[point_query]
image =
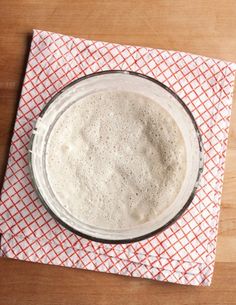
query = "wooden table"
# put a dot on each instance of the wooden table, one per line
(202, 27)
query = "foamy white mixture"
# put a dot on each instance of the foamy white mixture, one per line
(115, 159)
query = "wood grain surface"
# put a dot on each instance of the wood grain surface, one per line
(201, 27)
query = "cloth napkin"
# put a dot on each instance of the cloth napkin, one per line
(185, 252)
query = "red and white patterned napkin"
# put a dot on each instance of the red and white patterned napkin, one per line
(185, 252)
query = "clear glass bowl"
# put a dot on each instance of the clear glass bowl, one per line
(127, 81)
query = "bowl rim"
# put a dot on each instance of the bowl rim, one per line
(128, 240)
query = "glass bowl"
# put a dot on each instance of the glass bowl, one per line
(126, 81)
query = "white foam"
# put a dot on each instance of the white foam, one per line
(115, 159)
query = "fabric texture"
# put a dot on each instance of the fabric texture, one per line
(185, 252)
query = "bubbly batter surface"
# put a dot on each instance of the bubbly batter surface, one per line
(115, 159)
